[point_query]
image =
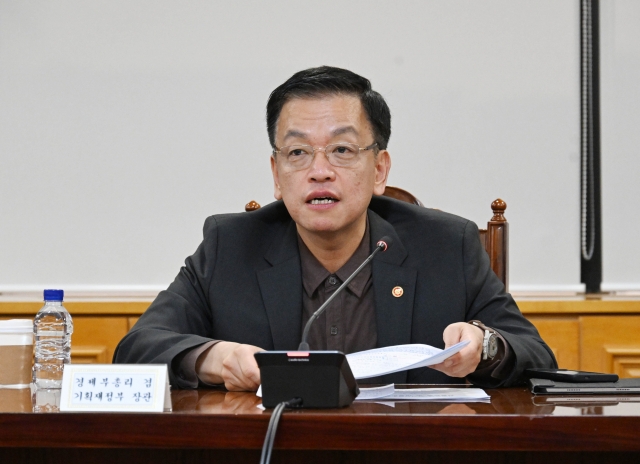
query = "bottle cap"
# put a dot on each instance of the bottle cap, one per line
(53, 295)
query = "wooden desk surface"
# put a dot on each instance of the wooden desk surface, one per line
(514, 420)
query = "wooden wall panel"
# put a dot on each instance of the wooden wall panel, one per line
(86, 354)
(611, 344)
(625, 361)
(563, 337)
(131, 321)
(94, 339)
(588, 333)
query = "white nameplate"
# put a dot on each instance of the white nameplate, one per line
(115, 387)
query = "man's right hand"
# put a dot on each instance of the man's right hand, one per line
(230, 363)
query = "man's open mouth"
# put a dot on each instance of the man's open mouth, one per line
(322, 201)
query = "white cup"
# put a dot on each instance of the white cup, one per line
(16, 353)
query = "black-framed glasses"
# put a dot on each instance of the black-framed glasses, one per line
(341, 154)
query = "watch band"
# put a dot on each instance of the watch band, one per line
(480, 325)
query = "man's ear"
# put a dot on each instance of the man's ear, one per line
(382, 167)
(276, 180)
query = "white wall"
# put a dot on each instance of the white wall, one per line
(123, 124)
(620, 80)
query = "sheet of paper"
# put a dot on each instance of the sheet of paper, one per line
(373, 393)
(455, 395)
(390, 359)
(390, 394)
(391, 404)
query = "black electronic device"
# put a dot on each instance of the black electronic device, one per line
(553, 387)
(320, 379)
(570, 376)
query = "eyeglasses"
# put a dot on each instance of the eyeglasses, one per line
(342, 154)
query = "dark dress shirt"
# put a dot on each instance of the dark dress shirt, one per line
(348, 324)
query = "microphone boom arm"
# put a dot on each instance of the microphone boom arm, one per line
(304, 346)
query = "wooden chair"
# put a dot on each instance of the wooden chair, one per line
(495, 238)
(402, 195)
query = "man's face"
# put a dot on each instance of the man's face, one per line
(346, 191)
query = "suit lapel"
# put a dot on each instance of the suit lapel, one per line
(393, 313)
(281, 289)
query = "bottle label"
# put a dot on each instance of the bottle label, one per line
(49, 333)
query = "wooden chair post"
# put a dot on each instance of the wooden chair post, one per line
(252, 206)
(496, 241)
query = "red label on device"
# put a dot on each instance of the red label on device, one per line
(298, 354)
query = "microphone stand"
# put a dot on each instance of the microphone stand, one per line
(304, 346)
(315, 379)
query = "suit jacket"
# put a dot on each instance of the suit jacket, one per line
(244, 284)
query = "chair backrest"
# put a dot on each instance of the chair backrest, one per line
(402, 195)
(495, 238)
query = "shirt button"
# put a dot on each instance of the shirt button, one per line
(334, 330)
(333, 280)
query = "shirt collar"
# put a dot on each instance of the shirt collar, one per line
(314, 274)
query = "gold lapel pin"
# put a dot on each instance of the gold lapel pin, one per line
(397, 292)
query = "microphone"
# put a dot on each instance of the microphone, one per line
(316, 379)
(382, 245)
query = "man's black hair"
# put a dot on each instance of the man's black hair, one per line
(327, 80)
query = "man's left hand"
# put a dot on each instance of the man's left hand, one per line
(465, 361)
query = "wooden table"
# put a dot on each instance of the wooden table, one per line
(217, 426)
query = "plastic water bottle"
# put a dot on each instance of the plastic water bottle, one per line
(52, 328)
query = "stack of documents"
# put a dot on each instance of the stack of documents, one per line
(390, 359)
(451, 395)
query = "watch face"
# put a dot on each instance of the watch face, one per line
(492, 350)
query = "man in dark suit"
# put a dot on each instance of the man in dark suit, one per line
(257, 277)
